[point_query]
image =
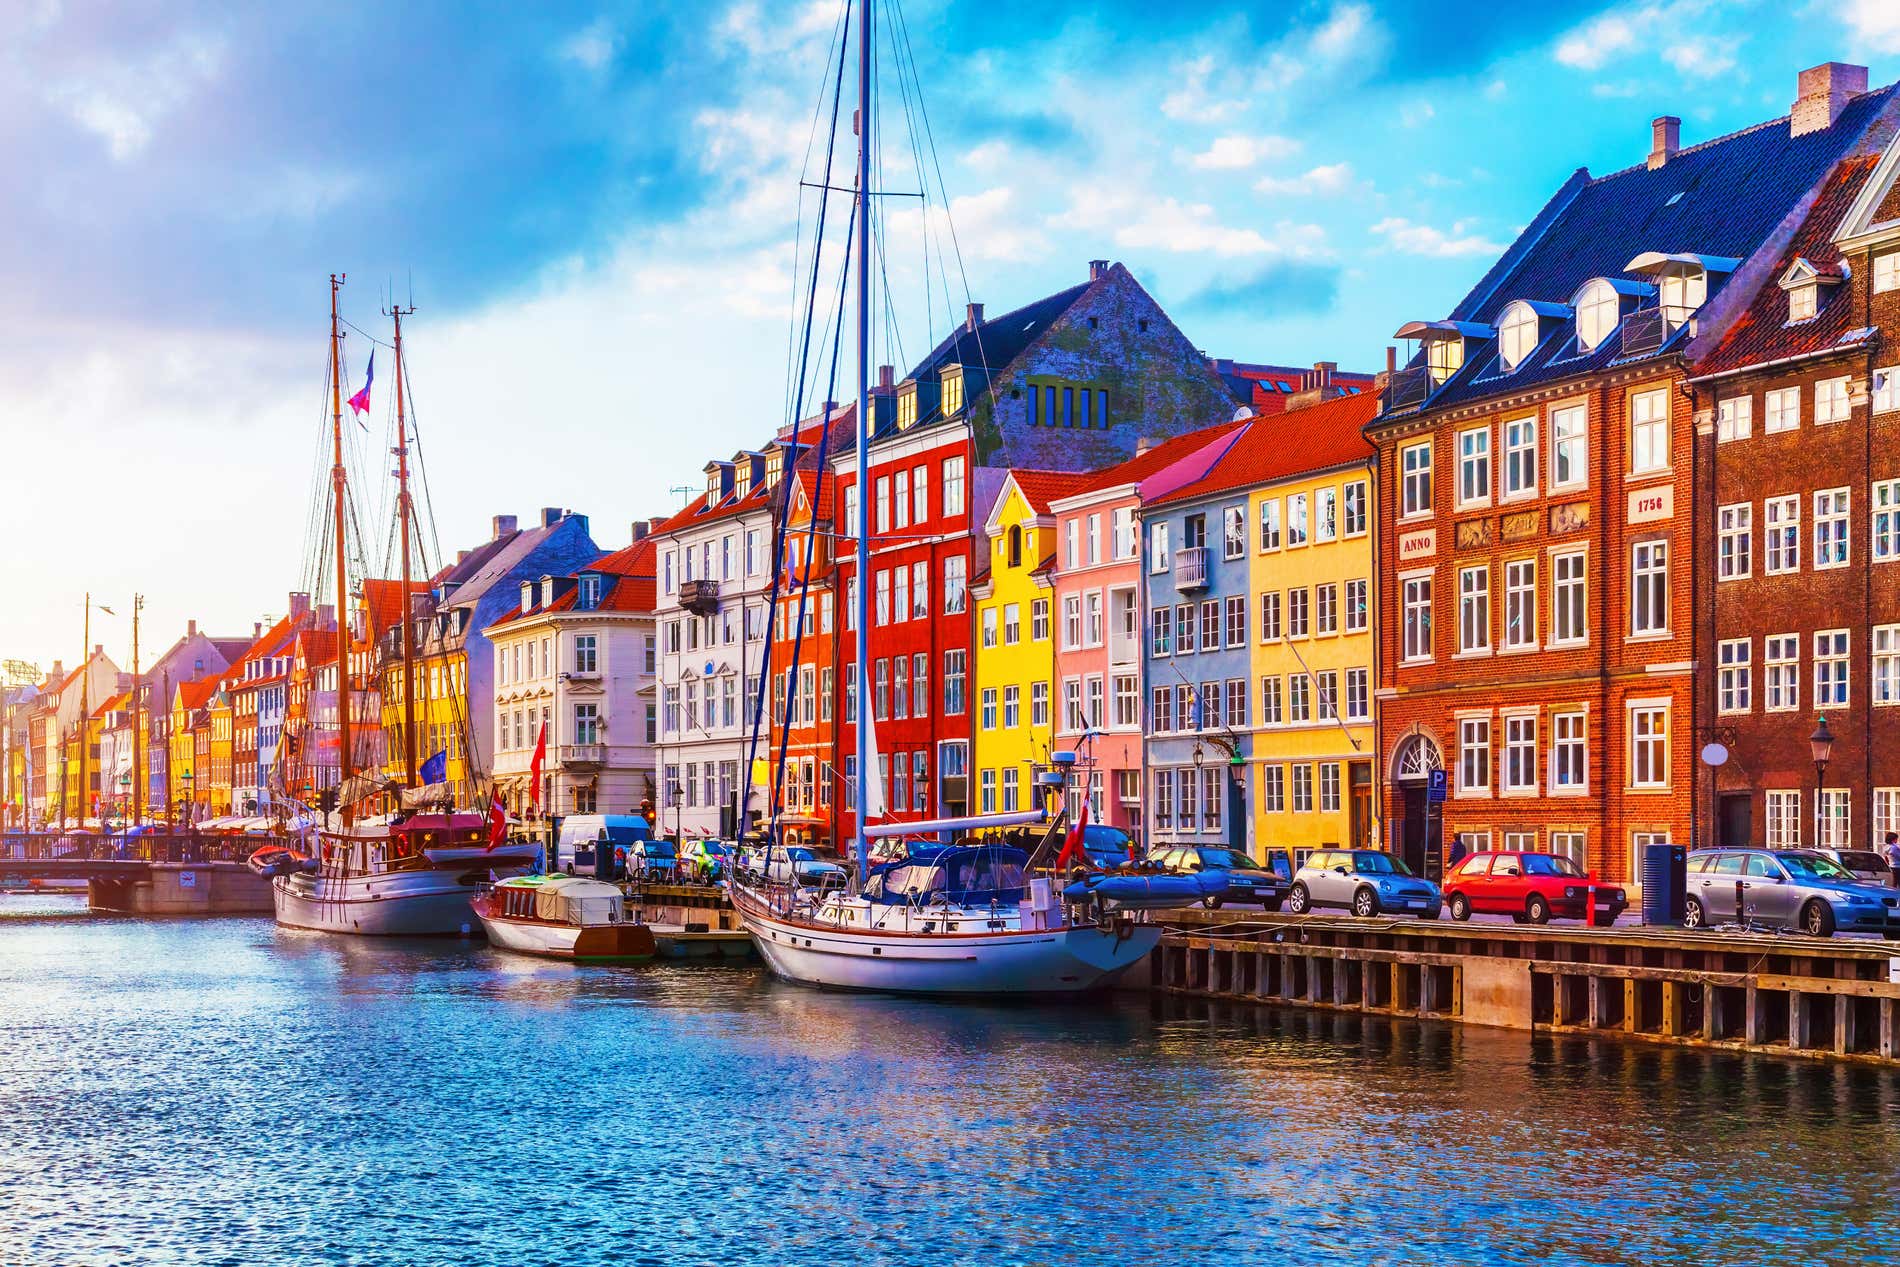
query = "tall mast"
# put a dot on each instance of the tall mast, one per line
(338, 483)
(403, 512)
(85, 707)
(865, 428)
(138, 788)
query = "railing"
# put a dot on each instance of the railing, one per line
(700, 596)
(583, 754)
(1408, 387)
(169, 847)
(1190, 568)
(1645, 331)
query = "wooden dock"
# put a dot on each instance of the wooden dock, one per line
(1788, 995)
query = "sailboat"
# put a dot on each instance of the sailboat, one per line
(412, 874)
(952, 920)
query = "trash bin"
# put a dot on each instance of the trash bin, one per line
(1665, 883)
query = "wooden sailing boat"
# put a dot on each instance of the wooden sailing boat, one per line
(414, 874)
(956, 920)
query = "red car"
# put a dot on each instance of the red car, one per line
(1528, 887)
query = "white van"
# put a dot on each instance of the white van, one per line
(577, 848)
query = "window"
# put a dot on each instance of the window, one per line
(1296, 613)
(1299, 698)
(1358, 699)
(900, 686)
(1092, 631)
(1270, 524)
(1161, 638)
(1270, 616)
(1270, 714)
(1273, 789)
(1735, 547)
(1831, 818)
(1122, 523)
(1735, 418)
(920, 592)
(1209, 702)
(1417, 606)
(1326, 609)
(884, 504)
(1161, 710)
(1598, 311)
(882, 697)
(1072, 543)
(1830, 400)
(1649, 745)
(1781, 660)
(986, 790)
(1158, 546)
(1569, 844)
(1886, 389)
(1237, 621)
(1302, 789)
(1039, 620)
(1296, 519)
(1444, 357)
(1886, 524)
(1126, 701)
(1233, 532)
(1734, 675)
(952, 487)
(989, 708)
(1474, 466)
(1520, 457)
(1830, 527)
(1326, 515)
(1520, 753)
(586, 658)
(1649, 431)
(1520, 603)
(1569, 447)
(1474, 610)
(955, 668)
(1415, 489)
(1474, 756)
(1012, 707)
(1012, 624)
(1012, 777)
(1886, 812)
(1569, 755)
(1831, 657)
(900, 602)
(1329, 787)
(1802, 302)
(955, 586)
(1326, 691)
(1886, 658)
(1886, 273)
(1237, 701)
(1092, 542)
(1517, 335)
(1782, 809)
(1038, 704)
(1164, 800)
(1781, 410)
(1649, 587)
(1781, 525)
(1356, 614)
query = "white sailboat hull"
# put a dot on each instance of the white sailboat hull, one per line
(1062, 960)
(390, 904)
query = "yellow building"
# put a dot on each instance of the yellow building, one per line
(1310, 532)
(187, 709)
(217, 778)
(1015, 642)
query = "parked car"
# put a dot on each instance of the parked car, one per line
(1790, 888)
(1526, 886)
(1863, 864)
(577, 847)
(656, 861)
(1226, 875)
(1363, 881)
(802, 865)
(705, 860)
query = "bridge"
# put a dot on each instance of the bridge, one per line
(178, 873)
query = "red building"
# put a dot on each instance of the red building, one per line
(804, 669)
(1536, 457)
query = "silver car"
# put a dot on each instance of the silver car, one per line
(1363, 881)
(1790, 888)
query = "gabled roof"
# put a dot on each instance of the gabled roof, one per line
(1039, 488)
(470, 579)
(1761, 332)
(382, 600)
(1157, 458)
(1720, 200)
(196, 694)
(627, 585)
(1316, 438)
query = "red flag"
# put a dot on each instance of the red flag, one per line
(534, 766)
(359, 403)
(497, 819)
(1073, 845)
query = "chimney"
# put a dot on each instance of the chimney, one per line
(504, 524)
(299, 606)
(461, 556)
(1098, 269)
(59, 670)
(257, 630)
(98, 649)
(1145, 443)
(1391, 360)
(1323, 373)
(653, 524)
(1316, 385)
(1665, 138)
(1821, 93)
(973, 316)
(326, 616)
(550, 515)
(887, 378)
(640, 529)
(191, 629)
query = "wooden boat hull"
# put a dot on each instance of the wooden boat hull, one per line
(391, 904)
(578, 943)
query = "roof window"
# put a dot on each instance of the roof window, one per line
(1802, 284)
(1517, 334)
(1599, 308)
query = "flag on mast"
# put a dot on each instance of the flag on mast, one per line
(534, 766)
(359, 403)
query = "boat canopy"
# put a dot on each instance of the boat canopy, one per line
(962, 875)
(577, 900)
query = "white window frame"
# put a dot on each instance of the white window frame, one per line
(1833, 517)
(1781, 818)
(1474, 610)
(1884, 520)
(1781, 410)
(1735, 675)
(1415, 480)
(1517, 775)
(1570, 439)
(1648, 722)
(1520, 458)
(1569, 738)
(1735, 419)
(1269, 525)
(1833, 668)
(1520, 605)
(1781, 535)
(1649, 431)
(1781, 673)
(1832, 402)
(1415, 600)
(1886, 389)
(1649, 588)
(1735, 541)
(1474, 757)
(1474, 468)
(1883, 649)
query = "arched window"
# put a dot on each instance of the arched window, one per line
(1015, 546)
(1517, 334)
(1417, 757)
(1598, 310)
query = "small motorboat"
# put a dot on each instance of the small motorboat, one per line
(1136, 890)
(563, 917)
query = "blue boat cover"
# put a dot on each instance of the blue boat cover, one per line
(1136, 890)
(963, 875)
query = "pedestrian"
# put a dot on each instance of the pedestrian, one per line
(1892, 851)
(1458, 852)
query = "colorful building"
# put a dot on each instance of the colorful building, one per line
(803, 725)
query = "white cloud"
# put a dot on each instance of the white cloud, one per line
(1873, 23)
(122, 102)
(1699, 59)
(1195, 100)
(1417, 114)
(989, 226)
(1332, 178)
(1420, 239)
(1674, 30)
(1346, 33)
(594, 46)
(1237, 151)
(989, 156)
(1496, 90)
(1592, 45)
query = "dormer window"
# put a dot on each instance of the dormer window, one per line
(1683, 290)
(1802, 302)
(527, 596)
(952, 393)
(1802, 283)
(1517, 334)
(589, 596)
(1445, 357)
(774, 465)
(712, 485)
(742, 479)
(907, 407)
(1599, 308)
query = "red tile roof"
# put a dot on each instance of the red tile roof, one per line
(1760, 333)
(1310, 439)
(382, 599)
(630, 584)
(1039, 488)
(195, 694)
(1158, 458)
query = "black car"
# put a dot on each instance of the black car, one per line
(1245, 880)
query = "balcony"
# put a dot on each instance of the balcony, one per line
(1190, 568)
(700, 597)
(1408, 387)
(583, 756)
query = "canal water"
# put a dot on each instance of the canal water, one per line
(219, 1091)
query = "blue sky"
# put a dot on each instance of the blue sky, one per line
(593, 207)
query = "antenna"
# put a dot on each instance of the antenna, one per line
(685, 492)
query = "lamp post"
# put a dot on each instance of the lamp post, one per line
(1821, 746)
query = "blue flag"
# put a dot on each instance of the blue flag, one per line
(436, 768)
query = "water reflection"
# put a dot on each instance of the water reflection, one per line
(206, 1091)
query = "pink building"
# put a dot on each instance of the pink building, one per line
(1099, 617)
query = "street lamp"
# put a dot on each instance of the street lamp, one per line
(1821, 745)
